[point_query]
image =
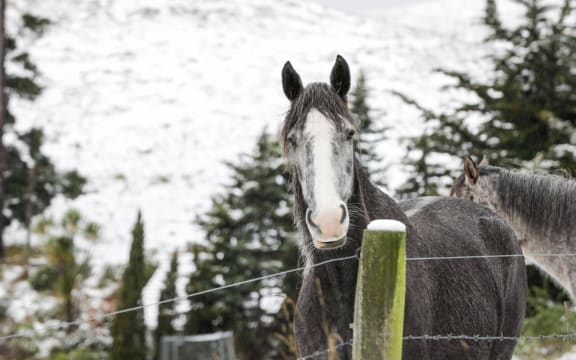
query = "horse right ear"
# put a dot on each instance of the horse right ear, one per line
(470, 171)
(291, 82)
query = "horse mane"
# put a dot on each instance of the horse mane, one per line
(545, 203)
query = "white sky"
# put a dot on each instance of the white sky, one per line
(366, 5)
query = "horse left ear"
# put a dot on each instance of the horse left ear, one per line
(340, 77)
(470, 171)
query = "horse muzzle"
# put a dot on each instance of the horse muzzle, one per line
(329, 227)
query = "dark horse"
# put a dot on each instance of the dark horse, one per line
(334, 201)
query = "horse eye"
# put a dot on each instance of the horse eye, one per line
(350, 134)
(292, 140)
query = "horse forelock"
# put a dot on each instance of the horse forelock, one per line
(546, 204)
(317, 96)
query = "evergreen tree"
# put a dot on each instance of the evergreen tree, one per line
(128, 329)
(527, 107)
(3, 113)
(370, 134)
(28, 178)
(527, 113)
(66, 266)
(249, 234)
(167, 312)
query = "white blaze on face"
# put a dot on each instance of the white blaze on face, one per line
(327, 213)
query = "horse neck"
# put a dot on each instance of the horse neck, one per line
(540, 208)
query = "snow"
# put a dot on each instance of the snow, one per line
(386, 225)
(147, 99)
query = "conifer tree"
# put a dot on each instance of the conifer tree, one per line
(370, 134)
(527, 105)
(128, 329)
(3, 113)
(167, 312)
(66, 265)
(249, 234)
(28, 181)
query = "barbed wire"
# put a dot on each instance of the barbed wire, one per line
(479, 338)
(476, 338)
(174, 299)
(99, 317)
(319, 353)
(463, 257)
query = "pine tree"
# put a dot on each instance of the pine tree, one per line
(370, 134)
(28, 178)
(3, 115)
(167, 312)
(249, 234)
(128, 329)
(527, 110)
(527, 106)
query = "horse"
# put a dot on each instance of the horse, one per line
(540, 208)
(334, 201)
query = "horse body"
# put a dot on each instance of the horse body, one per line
(484, 297)
(541, 209)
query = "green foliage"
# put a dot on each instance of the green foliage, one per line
(546, 313)
(167, 312)
(31, 179)
(128, 329)
(78, 355)
(249, 234)
(44, 279)
(524, 114)
(370, 134)
(3, 309)
(35, 24)
(19, 253)
(66, 265)
(527, 108)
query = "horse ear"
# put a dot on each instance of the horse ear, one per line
(291, 82)
(340, 77)
(484, 161)
(470, 171)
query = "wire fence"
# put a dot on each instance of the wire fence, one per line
(174, 299)
(449, 337)
(329, 350)
(475, 338)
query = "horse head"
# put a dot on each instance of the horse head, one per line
(318, 140)
(478, 183)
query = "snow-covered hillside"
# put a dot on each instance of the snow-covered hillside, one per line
(147, 98)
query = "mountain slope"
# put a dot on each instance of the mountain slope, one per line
(147, 98)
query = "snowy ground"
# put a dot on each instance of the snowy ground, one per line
(148, 98)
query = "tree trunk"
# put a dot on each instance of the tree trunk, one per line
(3, 111)
(28, 196)
(69, 313)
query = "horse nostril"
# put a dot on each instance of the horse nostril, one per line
(344, 214)
(309, 218)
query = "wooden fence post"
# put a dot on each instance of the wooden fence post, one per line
(380, 292)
